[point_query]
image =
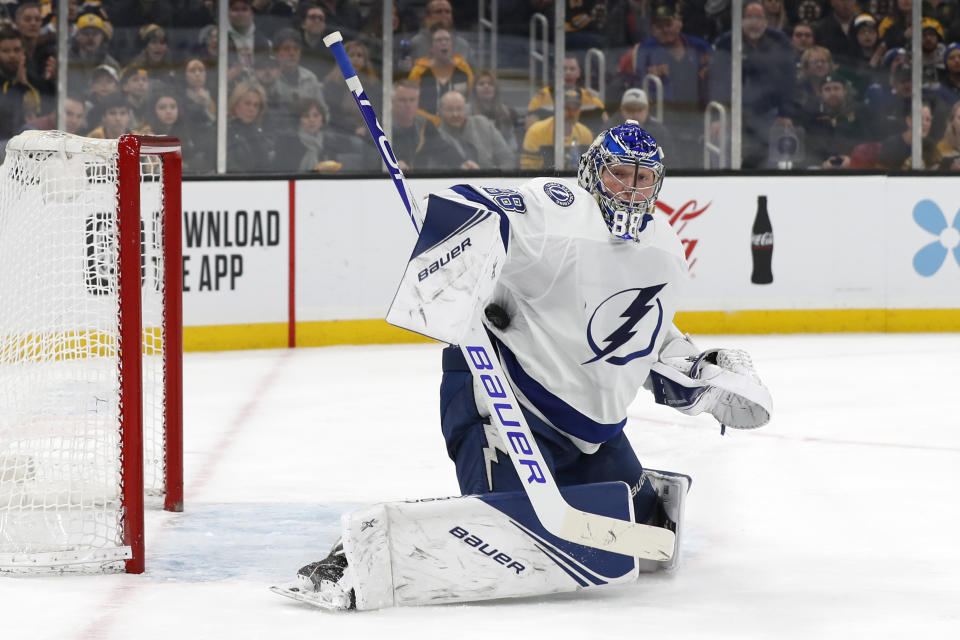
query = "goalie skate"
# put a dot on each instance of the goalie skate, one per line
(326, 584)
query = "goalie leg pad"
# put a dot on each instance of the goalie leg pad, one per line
(671, 489)
(476, 548)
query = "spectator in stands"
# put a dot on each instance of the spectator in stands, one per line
(315, 148)
(890, 103)
(585, 24)
(272, 15)
(477, 141)
(628, 23)
(815, 64)
(207, 46)
(443, 71)
(129, 17)
(896, 152)
(864, 67)
(538, 142)
(932, 48)
(40, 52)
(75, 118)
(344, 114)
(343, 16)
(680, 61)
(837, 129)
(249, 149)
(893, 28)
(295, 82)
(801, 39)
(768, 82)
(155, 56)
(245, 43)
(88, 48)
(635, 105)
(135, 86)
(949, 146)
(195, 14)
(833, 31)
(438, 15)
(19, 100)
(104, 81)
(316, 56)
(950, 80)
(485, 101)
(947, 13)
(372, 37)
(776, 15)
(112, 118)
(166, 118)
(198, 97)
(541, 104)
(416, 141)
(266, 72)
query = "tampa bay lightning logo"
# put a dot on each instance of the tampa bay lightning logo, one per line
(639, 303)
(559, 193)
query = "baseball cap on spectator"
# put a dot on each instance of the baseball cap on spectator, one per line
(93, 21)
(892, 55)
(635, 96)
(664, 9)
(131, 70)
(934, 24)
(864, 19)
(950, 47)
(151, 32)
(107, 70)
(572, 95)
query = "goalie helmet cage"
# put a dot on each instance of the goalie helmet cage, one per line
(90, 348)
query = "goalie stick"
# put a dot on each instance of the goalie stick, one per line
(556, 515)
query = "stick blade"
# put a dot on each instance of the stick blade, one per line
(619, 536)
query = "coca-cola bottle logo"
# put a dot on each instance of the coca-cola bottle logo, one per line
(762, 240)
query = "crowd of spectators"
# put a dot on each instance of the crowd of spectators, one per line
(826, 83)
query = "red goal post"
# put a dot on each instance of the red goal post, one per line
(91, 407)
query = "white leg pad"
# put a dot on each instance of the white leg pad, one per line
(473, 548)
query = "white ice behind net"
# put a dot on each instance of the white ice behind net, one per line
(60, 401)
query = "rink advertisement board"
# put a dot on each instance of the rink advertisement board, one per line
(236, 271)
(859, 253)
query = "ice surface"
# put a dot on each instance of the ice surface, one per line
(837, 520)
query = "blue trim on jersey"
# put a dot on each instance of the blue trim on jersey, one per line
(473, 195)
(554, 409)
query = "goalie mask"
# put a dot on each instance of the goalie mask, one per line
(623, 169)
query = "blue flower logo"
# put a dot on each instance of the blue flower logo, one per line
(930, 258)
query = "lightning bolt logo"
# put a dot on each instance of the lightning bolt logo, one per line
(494, 444)
(633, 314)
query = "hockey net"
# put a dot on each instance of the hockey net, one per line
(90, 401)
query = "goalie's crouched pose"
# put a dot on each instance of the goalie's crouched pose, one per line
(578, 286)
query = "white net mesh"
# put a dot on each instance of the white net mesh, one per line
(60, 395)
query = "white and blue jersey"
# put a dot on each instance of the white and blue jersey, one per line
(588, 312)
